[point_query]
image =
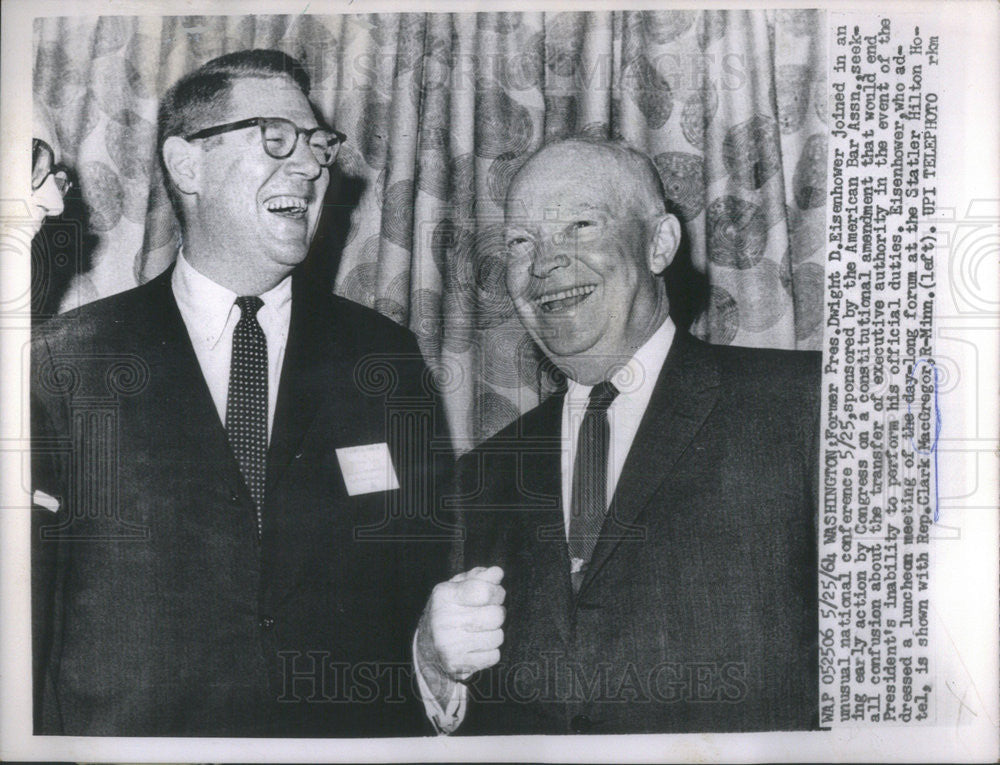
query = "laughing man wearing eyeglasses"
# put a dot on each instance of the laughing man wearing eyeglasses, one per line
(213, 548)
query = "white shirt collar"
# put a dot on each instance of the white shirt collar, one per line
(639, 375)
(212, 303)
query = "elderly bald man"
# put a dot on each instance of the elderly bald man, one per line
(640, 549)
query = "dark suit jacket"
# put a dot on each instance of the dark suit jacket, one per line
(156, 609)
(698, 609)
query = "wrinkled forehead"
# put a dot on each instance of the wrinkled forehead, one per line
(554, 202)
(562, 187)
(561, 182)
(43, 128)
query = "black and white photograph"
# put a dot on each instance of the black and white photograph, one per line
(390, 377)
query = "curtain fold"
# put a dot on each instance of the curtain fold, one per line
(441, 110)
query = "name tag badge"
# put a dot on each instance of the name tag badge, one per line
(367, 469)
(47, 501)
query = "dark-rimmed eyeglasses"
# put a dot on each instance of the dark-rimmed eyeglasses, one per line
(280, 137)
(43, 164)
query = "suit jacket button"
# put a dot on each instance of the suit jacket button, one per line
(581, 724)
(267, 622)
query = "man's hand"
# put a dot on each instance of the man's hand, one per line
(461, 631)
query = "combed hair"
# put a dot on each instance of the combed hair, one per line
(200, 99)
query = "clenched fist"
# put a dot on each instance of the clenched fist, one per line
(461, 631)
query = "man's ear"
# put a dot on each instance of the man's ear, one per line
(665, 240)
(183, 163)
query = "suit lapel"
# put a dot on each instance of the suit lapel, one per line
(184, 388)
(685, 394)
(308, 377)
(542, 536)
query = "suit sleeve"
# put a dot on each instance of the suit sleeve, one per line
(425, 458)
(446, 719)
(49, 511)
(431, 466)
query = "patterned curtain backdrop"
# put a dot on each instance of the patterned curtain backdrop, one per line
(441, 110)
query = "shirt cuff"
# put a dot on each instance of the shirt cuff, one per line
(445, 720)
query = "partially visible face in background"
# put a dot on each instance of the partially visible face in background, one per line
(47, 199)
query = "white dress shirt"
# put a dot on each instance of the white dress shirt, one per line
(635, 382)
(210, 314)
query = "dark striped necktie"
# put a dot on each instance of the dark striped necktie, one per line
(589, 501)
(246, 406)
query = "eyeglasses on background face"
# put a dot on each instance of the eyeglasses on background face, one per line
(280, 137)
(43, 165)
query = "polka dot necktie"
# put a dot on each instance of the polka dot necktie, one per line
(589, 500)
(246, 407)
